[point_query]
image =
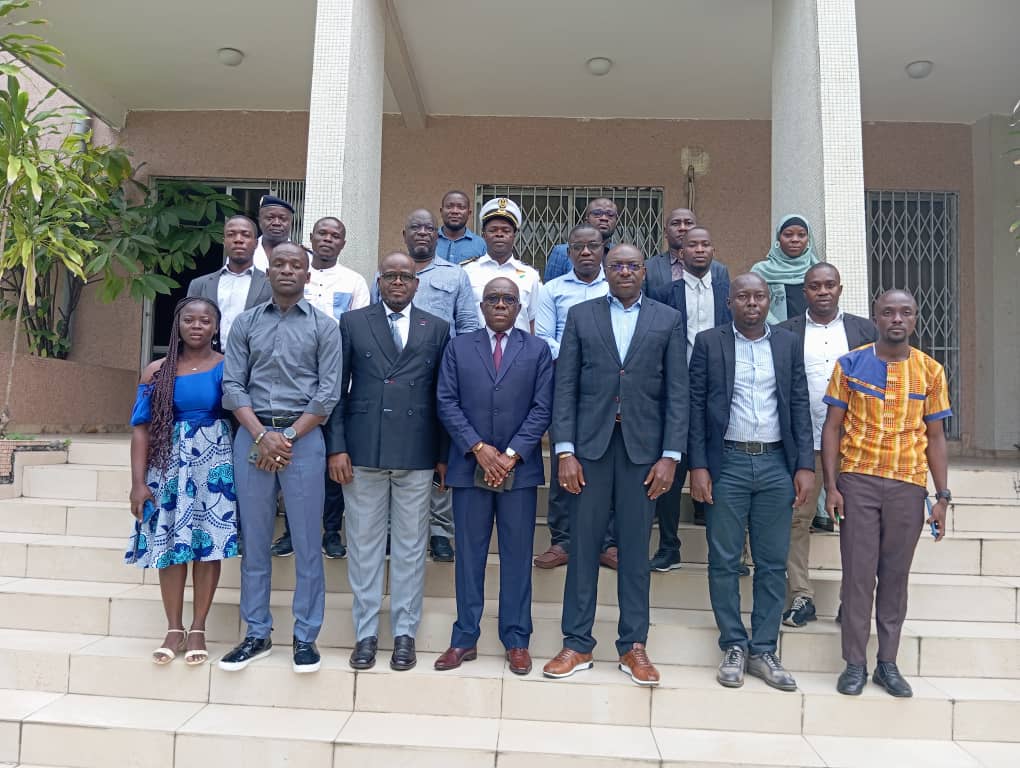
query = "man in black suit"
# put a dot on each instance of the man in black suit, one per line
(751, 461)
(662, 271)
(237, 285)
(384, 443)
(701, 299)
(826, 332)
(619, 427)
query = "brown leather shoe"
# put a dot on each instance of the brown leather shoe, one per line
(636, 664)
(566, 663)
(520, 660)
(553, 557)
(610, 558)
(454, 657)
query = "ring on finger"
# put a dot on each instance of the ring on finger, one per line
(278, 459)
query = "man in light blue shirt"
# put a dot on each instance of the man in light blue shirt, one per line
(602, 214)
(456, 242)
(444, 290)
(586, 281)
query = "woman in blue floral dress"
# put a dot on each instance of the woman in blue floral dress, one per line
(182, 476)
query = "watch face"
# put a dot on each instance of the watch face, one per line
(290, 433)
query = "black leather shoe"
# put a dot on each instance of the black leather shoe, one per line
(250, 649)
(403, 657)
(888, 676)
(852, 680)
(363, 655)
(442, 552)
(306, 657)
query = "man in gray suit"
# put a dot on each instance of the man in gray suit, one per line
(237, 285)
(619, 427)
(384, 443)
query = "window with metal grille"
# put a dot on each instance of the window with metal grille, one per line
(550, 213)
(913, 243)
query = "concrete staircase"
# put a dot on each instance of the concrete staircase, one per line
(77, 687)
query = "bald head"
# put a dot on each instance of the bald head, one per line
(501, 303)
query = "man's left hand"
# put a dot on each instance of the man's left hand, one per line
(441, 471)
(660, 477)
(803, 482)
(938, 514)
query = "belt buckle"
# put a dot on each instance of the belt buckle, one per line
(280, 419)
(755, 448)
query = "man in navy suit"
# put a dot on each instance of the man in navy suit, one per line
(384, 443)
(662, 271)
(700, 296)
(495, 400)
(752, 460)
(619, 427)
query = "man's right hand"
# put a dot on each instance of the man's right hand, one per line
(571, 475)
(834, 505)
(340, 469)
(275, 451)
(488, 459)
(701, 486)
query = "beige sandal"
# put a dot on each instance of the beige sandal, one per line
(163, 655)
(196, 656)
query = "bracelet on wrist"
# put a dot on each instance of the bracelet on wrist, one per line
(261, 435)
(477, 446)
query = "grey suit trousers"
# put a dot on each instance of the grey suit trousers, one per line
(397, 499)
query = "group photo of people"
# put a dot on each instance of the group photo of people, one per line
(403, 418)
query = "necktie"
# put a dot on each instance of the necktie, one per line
(395, 332)
(497, 351)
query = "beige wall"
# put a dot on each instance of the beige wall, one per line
(418, 166)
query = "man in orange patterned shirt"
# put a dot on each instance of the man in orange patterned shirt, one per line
(889, 401)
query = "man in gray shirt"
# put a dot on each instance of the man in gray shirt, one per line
(281, 380)
(444, 290)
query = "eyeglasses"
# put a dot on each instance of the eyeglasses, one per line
(624, 266)
(493, 299)
(392, 277)
(592, 246)
(421, 228)
(598, 213)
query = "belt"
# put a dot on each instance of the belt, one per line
(755, 448)
(619, 419)
(279, 421)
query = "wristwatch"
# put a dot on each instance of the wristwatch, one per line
(945, 493)
(512, 453)
(290, 433)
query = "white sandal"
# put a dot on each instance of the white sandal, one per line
(163, 655)
(196, 656)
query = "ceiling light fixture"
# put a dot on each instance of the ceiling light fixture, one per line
(600, 65)
(919, 69)
(230, 57)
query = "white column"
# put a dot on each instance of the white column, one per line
(996, 272)
(345, 125)
(817, 159)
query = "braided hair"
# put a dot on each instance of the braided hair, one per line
(161, 396)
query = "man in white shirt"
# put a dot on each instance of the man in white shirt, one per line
(237, 285)
(826, 333)
(332, 289)
(501, 220)
(275, 219)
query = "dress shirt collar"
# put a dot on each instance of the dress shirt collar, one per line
(742, 337)
(674, 258)
(405, 312)
(465, 234)
(571, 277)
(835, 321)
(693, 281)
(492, 336)
(301, 304)
(615, 302)
(512, 261)
(227, 271)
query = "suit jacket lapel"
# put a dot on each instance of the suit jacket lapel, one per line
(380, 326)
(254, 287)
(721, 294)
(780, 367)
(485, 353)
(729, 350)
(514, 345)
(605, 326)
(644, 319)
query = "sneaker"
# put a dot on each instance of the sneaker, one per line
(306, 657)
(250, 649)
(567, 662)
(635, 663)
(768, 667)
(282, 546)
(442, 552)
(802, 610)
(731, 670)
(333, 547)
(665, 560)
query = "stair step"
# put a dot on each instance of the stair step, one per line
(115, 451)
(84, 482)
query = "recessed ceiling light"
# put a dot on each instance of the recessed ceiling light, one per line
(919, 69)
(230, 57)
(600, 65)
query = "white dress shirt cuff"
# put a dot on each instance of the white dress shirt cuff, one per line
(675, 455)
(563, 448)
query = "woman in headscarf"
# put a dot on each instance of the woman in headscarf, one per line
(784, 268)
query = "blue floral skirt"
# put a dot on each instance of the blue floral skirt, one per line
(196, 506)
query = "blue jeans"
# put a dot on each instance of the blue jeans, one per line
(755, 494)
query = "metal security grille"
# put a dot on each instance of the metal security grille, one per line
(913, 243)
(550, 212)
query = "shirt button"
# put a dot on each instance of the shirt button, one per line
(410, 412)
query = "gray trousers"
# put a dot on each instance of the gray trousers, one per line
(397, 499)
(441, 513)
(303, 494)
